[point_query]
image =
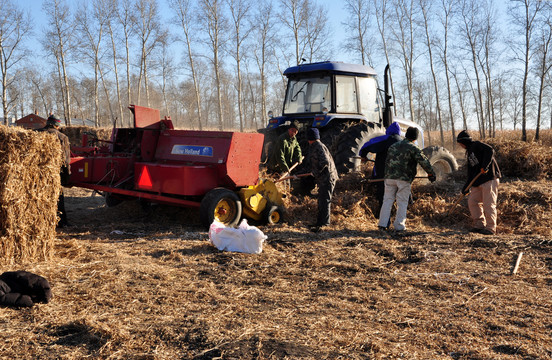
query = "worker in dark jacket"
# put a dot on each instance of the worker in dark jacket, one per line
(482, 164)
(52, 126)
(325, 174)
(401, 166)
(287, 151)
(23, 289)
(379, 145)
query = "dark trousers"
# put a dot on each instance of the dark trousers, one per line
(325, 192)
(61, 210)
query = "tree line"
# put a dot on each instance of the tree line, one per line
(218, 64)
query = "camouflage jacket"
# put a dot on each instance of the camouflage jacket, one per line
(402, 160)
(286, 153)
(321, 163)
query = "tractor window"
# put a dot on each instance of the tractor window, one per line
(307, 95)
(346, 94)
(369, 104)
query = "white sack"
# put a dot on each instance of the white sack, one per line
(245, 238)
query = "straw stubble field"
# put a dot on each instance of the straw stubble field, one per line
(147, 284)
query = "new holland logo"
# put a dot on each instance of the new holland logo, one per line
(196, 150)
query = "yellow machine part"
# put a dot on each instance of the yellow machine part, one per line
(256, 197)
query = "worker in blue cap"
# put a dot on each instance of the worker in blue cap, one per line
(325, 175)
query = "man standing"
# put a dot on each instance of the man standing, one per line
(286, 151)
(52, 126)
(400, 170)
(379, 145)
(482, 167)
(325, 174)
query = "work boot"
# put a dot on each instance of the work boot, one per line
(486, 232)
(314, 229)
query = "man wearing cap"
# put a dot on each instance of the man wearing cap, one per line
(482, 167)
(52, 126)
(287, 151)
(401, 166)
(325, 175)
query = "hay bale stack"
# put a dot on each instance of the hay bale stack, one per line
(29, 189)
(523, 160)
(74, 133)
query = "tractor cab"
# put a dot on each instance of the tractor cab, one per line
(320, 92)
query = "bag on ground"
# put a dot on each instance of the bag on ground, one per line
(246, 238)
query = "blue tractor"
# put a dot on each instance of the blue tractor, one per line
(344, 102)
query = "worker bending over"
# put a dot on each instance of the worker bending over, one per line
(484, 191)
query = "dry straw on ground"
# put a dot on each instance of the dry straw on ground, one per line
(135, 284)
(29, 187)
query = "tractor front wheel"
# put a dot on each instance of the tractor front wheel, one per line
(442, 161)
(222, 205)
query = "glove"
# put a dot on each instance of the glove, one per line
(483, 171)
(432, 177)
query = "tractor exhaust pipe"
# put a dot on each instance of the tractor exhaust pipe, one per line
(387, 113)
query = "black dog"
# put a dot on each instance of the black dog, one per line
(23, 289)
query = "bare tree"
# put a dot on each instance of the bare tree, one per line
(15, 27)
(316, 33)
(404, 36)
(544, 63)
(426, 13)
(445, 17)
(150, 35)
(167, 69)
(264, 41)
(215, 24)
(184, 14)
(59, 38)
(239, 11)
(523, 14)
(382, 15)
(358, 24)
(293, 16)
(461, 101)
(112, 8)
(90, 24)
(486, 58)
(470, 24)
(125, 17)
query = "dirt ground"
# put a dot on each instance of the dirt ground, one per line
(134, 283)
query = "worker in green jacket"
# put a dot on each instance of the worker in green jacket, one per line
(286, 152)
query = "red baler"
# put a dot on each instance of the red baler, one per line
(155, 163)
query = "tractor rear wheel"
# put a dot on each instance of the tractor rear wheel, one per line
(222, 205)
(347, 146)
(442, 161)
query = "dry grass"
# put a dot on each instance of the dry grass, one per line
(135, 284)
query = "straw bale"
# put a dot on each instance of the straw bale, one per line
(29, 188)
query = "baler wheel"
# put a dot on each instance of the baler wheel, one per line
(222, 205)
(274, 215)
